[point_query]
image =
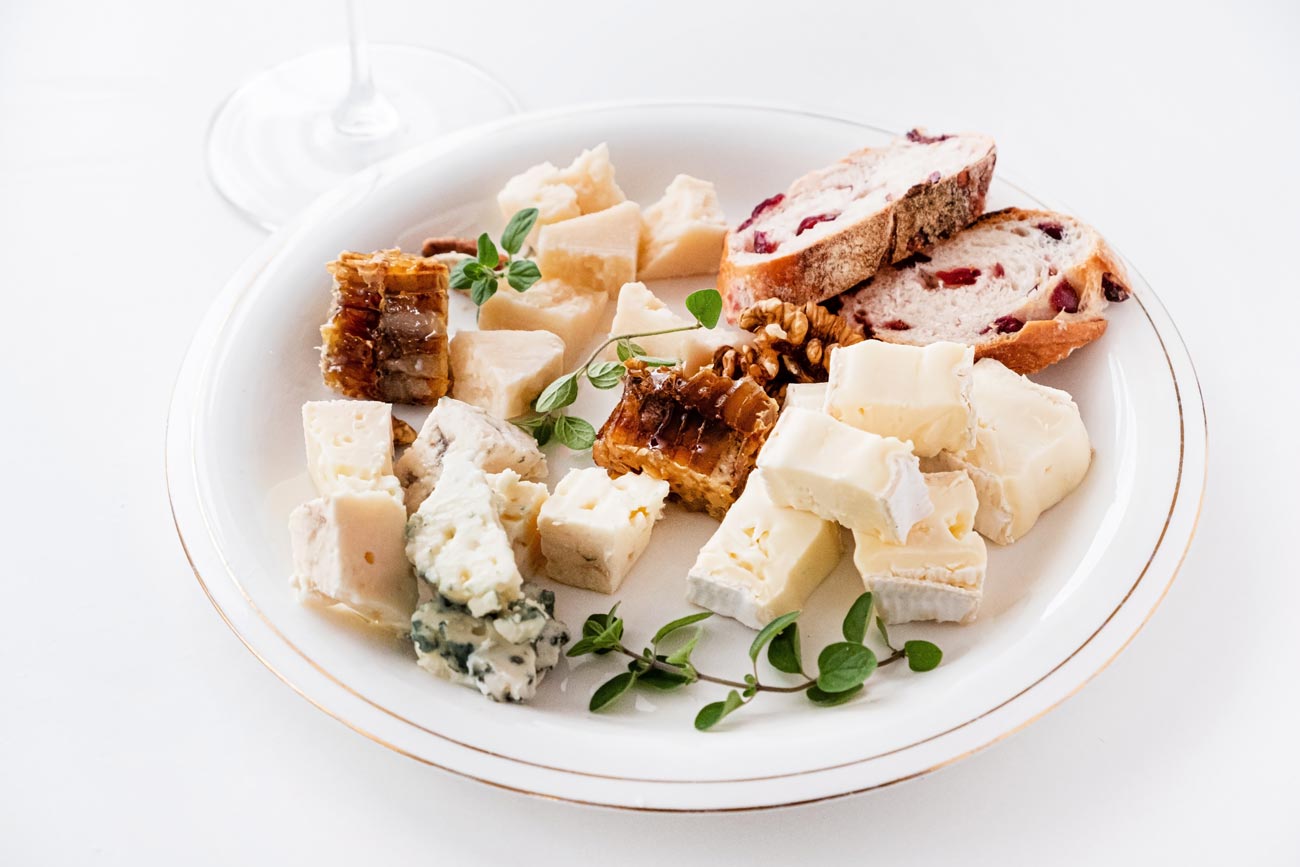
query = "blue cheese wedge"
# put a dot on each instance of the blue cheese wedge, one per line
(350, 446)
(938, 573)
(503, 655)
(764, 560)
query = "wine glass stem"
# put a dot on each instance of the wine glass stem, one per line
(364, 112)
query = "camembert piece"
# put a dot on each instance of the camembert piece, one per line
(805, 395)
(915, 393)
(682, 233)
(594, 528)
(520, 504)
(456, 429)
(1031, 450)
(861, 480)
(348, 550)
(640, 310)
(565, 310)
(596, 251)
(350, 446)
(938, 573)
(764, 560)
(459, 545)
(502, 371)
(585, 187)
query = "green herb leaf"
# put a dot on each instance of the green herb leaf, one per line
(488, 256)
(581, 647)
(682, 655)
(712, 714)
(818, 696)
(844, 665)
(522, 273)
(922, 655)
(544, 431)
(667, 680)
(517, 230)
(558, 394)
(768, 632)
(574, 432)
(855, 622)
(612, 690)
(461, 278)
(672, 626)
(884, 633)
(706, 306)
(652, 361)
(606, 374)
(623, 349)
(783, 653)
(482, 289)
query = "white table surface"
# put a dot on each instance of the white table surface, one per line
(134, 727)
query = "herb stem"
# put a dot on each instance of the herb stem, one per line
(617, 337)
(722, 681)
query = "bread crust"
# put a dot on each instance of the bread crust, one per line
(926, 213)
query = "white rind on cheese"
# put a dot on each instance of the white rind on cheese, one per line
(586, 186)
(682, 233)
(805, 395)
(909, 600)
(764, 560)
(502, 372)
(595, 251)
(639, 310)
(520, 505)
(858, 479)
(350, 446)
(567, 311)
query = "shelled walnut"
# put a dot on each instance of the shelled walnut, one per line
(792, 343)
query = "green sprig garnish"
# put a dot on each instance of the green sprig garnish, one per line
(482, 274)
(842, 667)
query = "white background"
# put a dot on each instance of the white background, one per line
(134, 727)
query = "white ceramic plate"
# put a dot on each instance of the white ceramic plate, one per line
(1059, 605)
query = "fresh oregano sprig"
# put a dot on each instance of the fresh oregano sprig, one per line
(548, 420)
(482, 274)
(842, 667)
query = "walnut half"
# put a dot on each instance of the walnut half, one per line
(793, 343)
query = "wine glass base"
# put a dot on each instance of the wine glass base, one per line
(273, 147)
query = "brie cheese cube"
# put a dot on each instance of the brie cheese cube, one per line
(915, 393)
(594, 528)
(805, 395)
(595, 251)
(682, 233)
(640, 310)
(350, 446)
(938, 573)
(348, 549)
(585, 187)
(567, 311)
(458, 544)
(698, 347)
(764, 560)
(858, 479)
(502, 371)
(520, 504)
(1031, 450)
(456, 429)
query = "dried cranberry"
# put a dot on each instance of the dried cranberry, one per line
(934, 177)
(762, 244)
(1112, 288)
(897, 325)
(1053, 230)
(770, 202)
(998, 270)
(1064, 298)
(958, 276)
(808, 222)
(911, 261)
(1007, 324)
(918, 137)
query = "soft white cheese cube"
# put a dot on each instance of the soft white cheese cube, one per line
(916, 393)
(594, 528)
(567, 311)
(503, 371)
(350, 446)
(938, 573)
(682, 233)
(596, 251)
(699, 346)
(1031, 450)
(640, 310)
(805, 395)
(348, 549)
(858, 479)
(764, 560)
(520, 505)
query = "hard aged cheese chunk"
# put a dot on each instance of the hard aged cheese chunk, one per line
(455, 428)
(1031, 450)
(350, 446)
(503, 655)
(858, 479)
(458, 543)
(596, 251)
(502, 371)
(764, 560)
(698, 347)
(348, 550)
(591, 177)
(585, 187)
(640, 310)
(915, 393)
(520, 504)
(938, 573)
(594, 528)
(566, 310)
(805, 395)
(682, 233)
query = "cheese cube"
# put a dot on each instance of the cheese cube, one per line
(915, 393)
(502, 371)
(520, 504)
(594, 528)
(698, 347)
(682, 233)
(567, 311)
(596, 251)
(640, 310)
(585, 187)
(591, 177)
(938, 573)
(858, 479)
(348, 549)
(458, 543)
(764, 560)
(350, 446)
(805, 395)
(1031, 450)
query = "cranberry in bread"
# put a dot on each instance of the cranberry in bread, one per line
(836, 226)
(1024, 287)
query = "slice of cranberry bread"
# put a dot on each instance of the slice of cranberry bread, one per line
(1024, 287)
(836, 226)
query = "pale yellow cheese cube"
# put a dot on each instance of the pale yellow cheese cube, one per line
(571, 313)
(682, 233)
(639, 310)
(502, 371)
(596, 251)
(586, 186)
(591, 177)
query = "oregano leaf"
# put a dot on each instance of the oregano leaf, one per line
(611, 690)
(820, 697)
(576, 433)
(522, 273)
(844, 665)
(674, 625)
(488, 256)
(606, 374)
(460, 276)
(768, 632)
(855, 622)
(884, 633)
(784, 653)
(706, 306)
(712, 714)
(482, 289)
(512, 238)
(558, 394)
(922, 655)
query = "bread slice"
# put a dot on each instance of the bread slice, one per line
(836, 226)
(1024, 287)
